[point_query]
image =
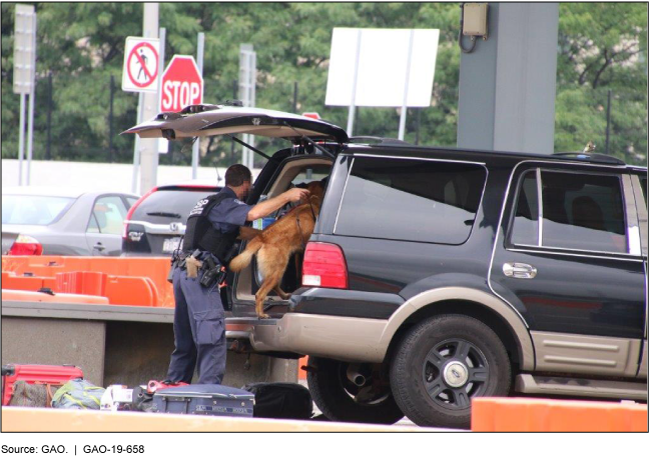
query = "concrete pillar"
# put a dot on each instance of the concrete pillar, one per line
(507, 84)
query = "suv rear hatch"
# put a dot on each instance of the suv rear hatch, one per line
(155, 223)
(209, 120)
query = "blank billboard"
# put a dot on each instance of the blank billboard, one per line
(382, 68)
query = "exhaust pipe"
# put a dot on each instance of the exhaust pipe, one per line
(354, 376)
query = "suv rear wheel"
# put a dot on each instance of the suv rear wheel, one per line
(444, 362)
(347, 392)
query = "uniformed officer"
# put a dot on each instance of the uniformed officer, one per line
(212, 228)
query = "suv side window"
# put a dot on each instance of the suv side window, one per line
(579, 211)
(526, 224)
(411, 199)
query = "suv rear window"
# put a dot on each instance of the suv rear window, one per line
(164, 206)
(411, 200)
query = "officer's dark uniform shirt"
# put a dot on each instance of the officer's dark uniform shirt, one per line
(199, 327)
(230, 214)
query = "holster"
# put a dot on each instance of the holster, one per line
(213, 272)
(193, 266)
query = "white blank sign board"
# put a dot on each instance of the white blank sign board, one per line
(382, 68)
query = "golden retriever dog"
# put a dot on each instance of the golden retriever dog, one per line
(275, 244)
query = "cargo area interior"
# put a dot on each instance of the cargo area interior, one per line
(292, 173)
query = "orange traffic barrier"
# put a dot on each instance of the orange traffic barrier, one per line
(17, 419)
(26, 295)
(11, 281)
(124, 290)
(81, 282)
(147, 275)
(544, 415)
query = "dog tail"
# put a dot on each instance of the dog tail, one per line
(244, 259)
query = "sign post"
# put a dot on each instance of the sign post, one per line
(195, 146)
(24, 77)
(140, 73)
(247, 82)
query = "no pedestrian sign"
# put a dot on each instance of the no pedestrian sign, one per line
(140, 72)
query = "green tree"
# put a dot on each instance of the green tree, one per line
(603, 47)
(82, 44)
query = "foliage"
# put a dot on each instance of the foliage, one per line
(601, 47)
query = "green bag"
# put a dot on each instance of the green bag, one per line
(78, 394)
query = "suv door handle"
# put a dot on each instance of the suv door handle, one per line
(519, 270)
(99, 246)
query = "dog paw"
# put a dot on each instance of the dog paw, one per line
(263, 316)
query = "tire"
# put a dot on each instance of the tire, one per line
(341, 400)
(456, 358)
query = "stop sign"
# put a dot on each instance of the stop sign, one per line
(182, 84)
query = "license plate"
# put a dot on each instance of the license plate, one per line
(170, 244)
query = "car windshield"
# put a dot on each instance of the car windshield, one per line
(166, 206)
(33, 209)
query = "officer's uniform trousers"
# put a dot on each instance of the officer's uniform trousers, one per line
(199, 331)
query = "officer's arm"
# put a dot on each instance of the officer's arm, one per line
(273, 204)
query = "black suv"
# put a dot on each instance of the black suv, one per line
(435, 275)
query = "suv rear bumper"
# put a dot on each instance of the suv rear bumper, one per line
(344, 338)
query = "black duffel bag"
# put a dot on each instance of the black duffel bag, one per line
(281, 400)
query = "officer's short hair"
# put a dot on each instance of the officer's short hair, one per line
(237, 174)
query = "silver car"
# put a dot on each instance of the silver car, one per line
(60, 221)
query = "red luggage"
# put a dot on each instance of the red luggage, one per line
(56, 375)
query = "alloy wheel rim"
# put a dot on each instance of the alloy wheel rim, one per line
(454, 371)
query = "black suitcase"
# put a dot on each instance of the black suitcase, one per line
(281, 400)
(205, 399)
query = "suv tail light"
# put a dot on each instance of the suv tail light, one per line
(324, 266)
(132, 210)
(26, 245)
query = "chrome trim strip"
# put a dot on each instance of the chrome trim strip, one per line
(633, 232)
(577, 345)
(540, 207)
(641, 212)
(415, 158)
(345, 188)
(630, 259)
(159, 229)
(579, 361)
(552, 250)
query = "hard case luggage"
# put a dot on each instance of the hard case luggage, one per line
(53, 375)
(281, 400)
(205, 399)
